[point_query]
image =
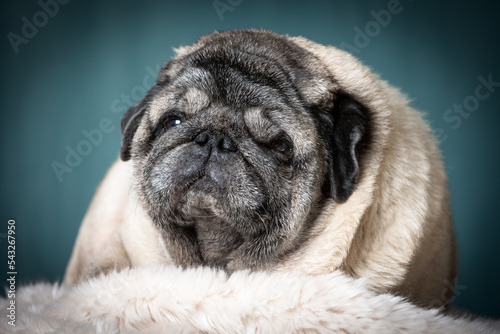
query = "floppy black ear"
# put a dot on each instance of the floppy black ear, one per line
(129, 124)
(131, 120)
(345, 134)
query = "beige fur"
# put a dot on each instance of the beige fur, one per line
(170, 300)
(108, 205)
(130, 241)
(395, 230)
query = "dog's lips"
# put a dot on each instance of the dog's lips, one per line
(204, 181)
(197, 201)
(214, 176)
(195, 179)
(183, 186)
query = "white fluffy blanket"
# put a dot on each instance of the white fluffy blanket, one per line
(171, 300)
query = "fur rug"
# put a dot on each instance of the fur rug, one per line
(172, 300)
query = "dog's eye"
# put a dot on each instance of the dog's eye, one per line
(171, 123)
(281, 146)
(166, 123)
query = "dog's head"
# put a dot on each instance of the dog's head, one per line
(236, 147)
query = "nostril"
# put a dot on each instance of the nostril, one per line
(220, 142)
(202, 138)
(227, 144)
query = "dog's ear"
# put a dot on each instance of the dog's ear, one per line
(129, 124)
(131, 120)
(345, 130)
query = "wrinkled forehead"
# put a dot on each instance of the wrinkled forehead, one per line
(227, 86)
(190, 89)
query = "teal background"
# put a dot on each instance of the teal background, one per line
(92, 59)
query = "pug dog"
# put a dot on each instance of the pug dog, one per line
(260, 151)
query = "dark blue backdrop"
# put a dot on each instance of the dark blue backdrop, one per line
(75, 67)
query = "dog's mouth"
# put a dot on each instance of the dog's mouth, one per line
(198, 195)
(181, 189)
(212, 177)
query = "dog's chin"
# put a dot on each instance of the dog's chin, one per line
(197, 206)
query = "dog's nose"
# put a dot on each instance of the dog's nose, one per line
(220, 142)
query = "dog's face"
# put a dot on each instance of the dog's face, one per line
(238, 145)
